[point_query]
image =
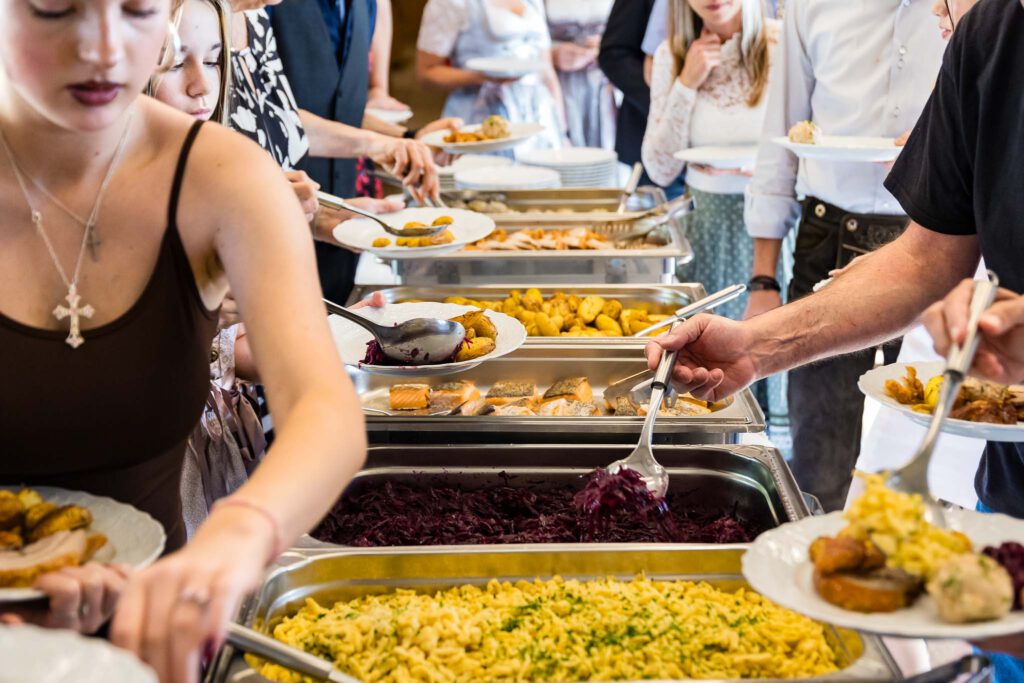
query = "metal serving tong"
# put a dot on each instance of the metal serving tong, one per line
(913, 477)
(707, 303)
(642, 458)
(337, 203)
(256, 643)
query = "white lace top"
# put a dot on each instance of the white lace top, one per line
(716, 114)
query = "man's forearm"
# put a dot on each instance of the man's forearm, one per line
(336, 140)
(766, 256)
(392, 130)
(873, 301)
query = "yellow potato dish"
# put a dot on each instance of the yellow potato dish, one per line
(559, 630)
(562, 315)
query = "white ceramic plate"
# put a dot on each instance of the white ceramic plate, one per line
(507, 178)
(777, 567)
(844, 148)
(351, 339)
(133, 537)
(872, 383)
(520, 132)
(44, 655)
(467, 161)
(727, 157)
(395, 116)
(569, 158)
(504, 67)
(467, 226)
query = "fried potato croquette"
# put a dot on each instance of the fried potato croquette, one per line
(474, 348)
(66, 518)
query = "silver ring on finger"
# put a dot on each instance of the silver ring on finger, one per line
(200, 597)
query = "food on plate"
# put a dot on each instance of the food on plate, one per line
(560, 630)
(977, 401)
(479, 342)
(443, 513)
(562, 315)
(443, 237)
(409, 396)
(450, 395)
(970, 588)
(539, 239)
(39, 536)
(877, 590)
(505, 391)
(494, 127)
(805, 133)
(442, 220)
(568, 408)
(1011, 556)
(831, 555)
(572, 388)
(381, 242)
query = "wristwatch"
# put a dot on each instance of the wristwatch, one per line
(764, 283)
(410, 133)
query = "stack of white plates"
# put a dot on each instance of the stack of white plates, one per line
(507, 178)
(468, 161)
(577, 166)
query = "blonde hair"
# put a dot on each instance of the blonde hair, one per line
(171, 43)
(685, 26)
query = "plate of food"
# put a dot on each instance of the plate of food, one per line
(504, 67)
(726, 157)
(983, 410)
(807, 141)
(495, 133)
(46, 528)
(489, 335)
(464, 227)
(47, 655)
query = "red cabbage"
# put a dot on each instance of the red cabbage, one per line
(1011, 556)
(375, 356)
(400, 514)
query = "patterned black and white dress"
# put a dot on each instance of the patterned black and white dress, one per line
(262, 105)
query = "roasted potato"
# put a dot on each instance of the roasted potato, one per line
(11, 510)
(612, 308)
(474, 348)
(608, 325)
(35, 514)
(381, 242)
(66, 518)
(547, 326)
(590, 308)
(442, 220)
(479, 323)
(29, 497)
(11, 540)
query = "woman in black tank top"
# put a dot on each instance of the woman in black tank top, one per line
(108, 410)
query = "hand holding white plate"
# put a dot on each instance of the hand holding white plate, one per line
(393, 116)
(844, 148)
(133, 537)
(467, 227)
(351, 339)
(504, 67)
(777, 566)
(872, 383)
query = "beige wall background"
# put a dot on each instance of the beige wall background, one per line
(426, 104)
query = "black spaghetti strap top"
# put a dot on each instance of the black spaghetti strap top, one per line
(113, 416)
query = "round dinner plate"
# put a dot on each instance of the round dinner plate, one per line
(351, 339)
(45, 655)
(467, 226)
(133, 537)
(468, 161)
(394, 116)
(872, 383)
(569, 158)
(844, 148)
(519, 132)
(727, 157)
(777, 567)
(503, 67)
(507, 178)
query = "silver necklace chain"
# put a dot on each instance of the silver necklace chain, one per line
(72, 310)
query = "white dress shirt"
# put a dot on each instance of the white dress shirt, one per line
(853, 67)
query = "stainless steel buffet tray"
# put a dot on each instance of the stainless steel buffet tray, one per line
(543, 364)
(344, 575)
(654, 298)
(656, 264)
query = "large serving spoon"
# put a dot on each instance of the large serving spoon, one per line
(415, 342)
(255, 643)
(332, 202)
(913, 477)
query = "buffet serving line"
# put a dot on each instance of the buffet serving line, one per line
(487, 538)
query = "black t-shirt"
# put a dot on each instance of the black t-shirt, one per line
(962, 173)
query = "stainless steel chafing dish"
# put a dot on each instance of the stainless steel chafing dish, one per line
(348, 574)
(654, 264)
(654, 298)
(543, 364)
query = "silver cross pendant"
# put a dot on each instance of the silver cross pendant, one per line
(75, 313)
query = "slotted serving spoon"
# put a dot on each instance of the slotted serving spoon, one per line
(415, 342)
(642, 459)
(289, 657)
(913, 477)
(337, 203)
